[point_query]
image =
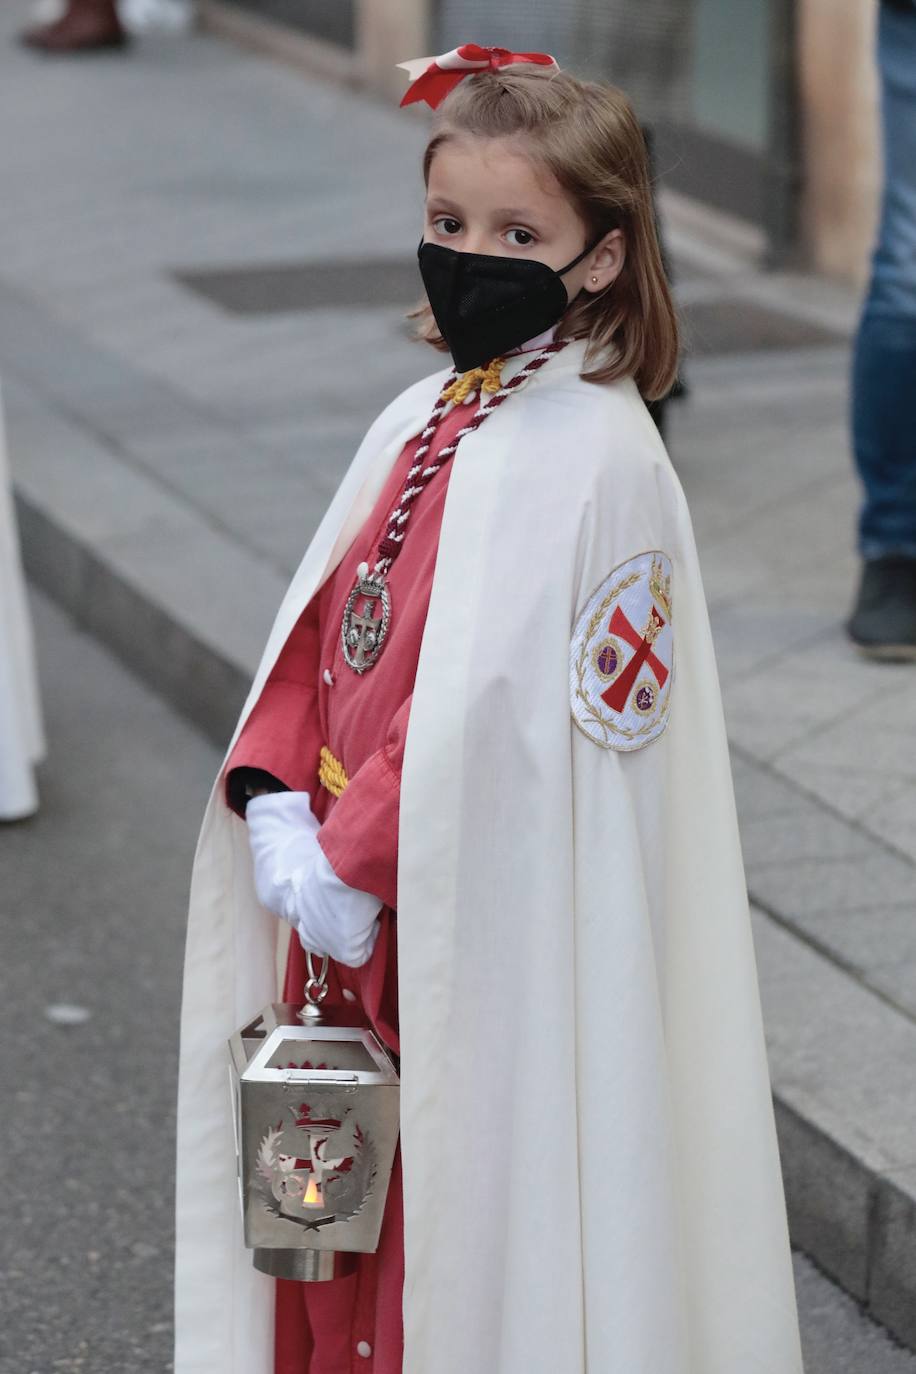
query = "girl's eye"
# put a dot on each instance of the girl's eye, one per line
(524, 240)
(444, 224)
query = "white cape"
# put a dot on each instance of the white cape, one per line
(21, 730)
(591, 1174)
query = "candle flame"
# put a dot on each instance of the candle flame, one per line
(312, 1196)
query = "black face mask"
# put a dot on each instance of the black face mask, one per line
(485, 305)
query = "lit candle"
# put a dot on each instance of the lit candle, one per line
(312, 1196)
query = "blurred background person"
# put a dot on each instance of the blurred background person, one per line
(65, 26)
(883, 620)
(83, 26)
(21, 732)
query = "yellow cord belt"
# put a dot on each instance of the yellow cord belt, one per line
(331, 773)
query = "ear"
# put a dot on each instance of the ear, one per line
(606, 261)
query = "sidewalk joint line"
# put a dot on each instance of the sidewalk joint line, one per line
(843, 966)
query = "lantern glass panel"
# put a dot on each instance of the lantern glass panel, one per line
(336, 1056)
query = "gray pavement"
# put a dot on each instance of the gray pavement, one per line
(177, 421)
(92, 913)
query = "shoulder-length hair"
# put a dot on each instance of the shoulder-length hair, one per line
(588, 137)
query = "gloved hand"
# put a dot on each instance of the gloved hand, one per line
(294, 880)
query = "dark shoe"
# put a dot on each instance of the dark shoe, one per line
(87, 26)
(883, 620)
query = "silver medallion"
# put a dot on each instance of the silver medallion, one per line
(366, 619)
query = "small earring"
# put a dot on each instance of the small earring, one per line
(594, 279)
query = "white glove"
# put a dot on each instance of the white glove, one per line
(294, 880)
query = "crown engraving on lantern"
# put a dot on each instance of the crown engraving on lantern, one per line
(660, 586)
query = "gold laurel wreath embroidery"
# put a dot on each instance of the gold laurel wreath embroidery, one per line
(605, 724)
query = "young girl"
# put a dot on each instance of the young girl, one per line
(484, 769)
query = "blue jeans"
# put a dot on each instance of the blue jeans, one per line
(884, 359)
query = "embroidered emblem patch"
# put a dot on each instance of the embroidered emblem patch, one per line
(621, 660)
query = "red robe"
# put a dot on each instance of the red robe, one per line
(353, 1323)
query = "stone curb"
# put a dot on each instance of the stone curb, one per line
(307, 54)
(858, 1224)
(197, 679)
(846, 1141)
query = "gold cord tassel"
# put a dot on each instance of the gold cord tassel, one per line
(486, 378)
(331, 773)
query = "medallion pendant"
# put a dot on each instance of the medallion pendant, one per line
(366, 620)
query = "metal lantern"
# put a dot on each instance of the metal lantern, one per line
(315, 1106)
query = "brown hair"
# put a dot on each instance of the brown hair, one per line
(588, 137)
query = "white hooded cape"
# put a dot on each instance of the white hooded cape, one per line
(591, 1174)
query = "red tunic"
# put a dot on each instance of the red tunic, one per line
(353, 1323)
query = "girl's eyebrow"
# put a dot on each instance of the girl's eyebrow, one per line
(512, 213)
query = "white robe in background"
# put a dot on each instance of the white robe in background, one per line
(21, 734)
(591, 1176)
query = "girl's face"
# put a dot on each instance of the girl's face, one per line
(486, 195)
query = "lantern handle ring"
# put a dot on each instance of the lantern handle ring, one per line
(316, 989)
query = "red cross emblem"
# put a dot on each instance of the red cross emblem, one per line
(619, 697)
(618, 694)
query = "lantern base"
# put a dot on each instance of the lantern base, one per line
(308, 1266)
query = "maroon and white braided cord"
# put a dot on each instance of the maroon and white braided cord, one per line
(419, 476)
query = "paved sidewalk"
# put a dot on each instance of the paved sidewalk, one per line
(202, 258)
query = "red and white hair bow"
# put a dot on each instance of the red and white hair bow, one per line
(431, 78)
